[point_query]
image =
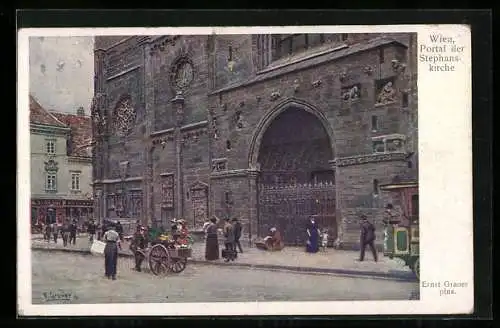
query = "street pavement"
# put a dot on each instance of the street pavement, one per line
(292, 258)
(82, 277)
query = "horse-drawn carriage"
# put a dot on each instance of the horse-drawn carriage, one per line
(401, 238)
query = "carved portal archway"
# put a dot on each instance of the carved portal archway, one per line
(296, 180)
(271, 115)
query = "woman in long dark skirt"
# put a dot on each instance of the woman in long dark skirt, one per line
(212, 242)
(312, 236)
(112, 240)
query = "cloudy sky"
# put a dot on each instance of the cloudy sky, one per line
(62, 72)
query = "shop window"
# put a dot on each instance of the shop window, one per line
(51, 216)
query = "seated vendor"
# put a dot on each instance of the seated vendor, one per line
(183, 232)
(272, 242)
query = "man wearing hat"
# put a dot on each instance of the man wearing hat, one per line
(229, 252)
(367, 238)
(237, 234)
(139, 242)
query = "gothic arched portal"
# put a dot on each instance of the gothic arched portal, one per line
(296, 180)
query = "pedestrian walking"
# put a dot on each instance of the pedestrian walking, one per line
(229, 251)
(47, 232)
(55, 232)
(66, 230)
(91, 229)
(212, 242)
(367, 238)
(112, 240)
(237, 234)
(72, 234)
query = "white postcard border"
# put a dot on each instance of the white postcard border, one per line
(445, 156)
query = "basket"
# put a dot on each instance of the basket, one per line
(97, 248)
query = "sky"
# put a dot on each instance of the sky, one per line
(62, 72)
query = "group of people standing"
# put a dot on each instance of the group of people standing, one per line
(231, 232)
(100, 230)
(68, 231)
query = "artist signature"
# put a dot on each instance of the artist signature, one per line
(58, 296)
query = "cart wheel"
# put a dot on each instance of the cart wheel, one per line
(416, 268)
(158, 259)
(178, 265)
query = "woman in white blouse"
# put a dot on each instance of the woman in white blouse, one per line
(112, 240)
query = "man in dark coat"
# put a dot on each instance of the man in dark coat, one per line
(139, 243)
(91, 229)
(73, 231)
(66, 230)
(237, 234)
(229, 252)
(367, 238)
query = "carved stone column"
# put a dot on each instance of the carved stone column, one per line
(178, 103)
(149, 204)
(253, 206)
(338, 210)
(150, 60)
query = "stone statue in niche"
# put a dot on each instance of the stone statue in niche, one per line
(124, 117)
(239, 120)
(351, 93)
(51, 166)
(394, 145)
(378, 147)
(387, 94)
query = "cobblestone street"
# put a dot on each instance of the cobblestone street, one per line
(82, 276)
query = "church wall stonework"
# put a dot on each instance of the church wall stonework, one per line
(363, 95)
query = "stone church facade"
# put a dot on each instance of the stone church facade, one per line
(268, 128)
